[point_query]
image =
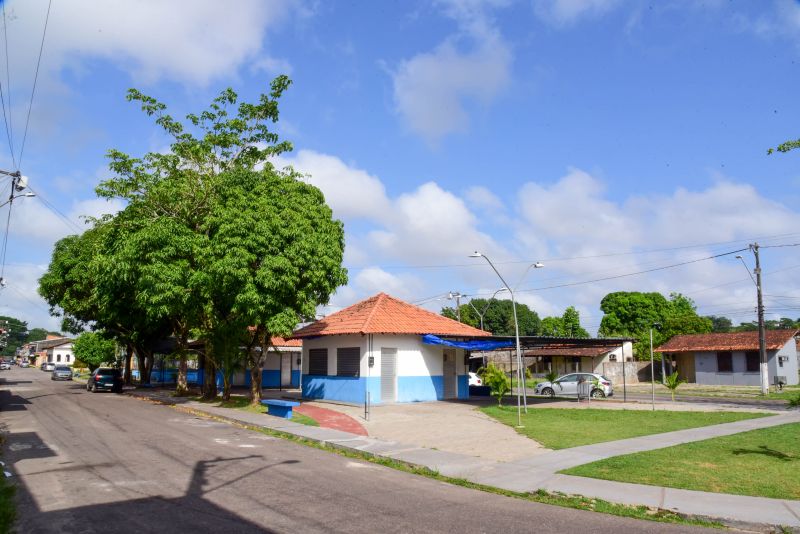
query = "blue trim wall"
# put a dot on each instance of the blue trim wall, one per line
(341, 388)
(295, 378)
(420, 388)
(463, 386)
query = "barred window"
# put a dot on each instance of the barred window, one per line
(318, 362)
(724, 362)
(348, 361)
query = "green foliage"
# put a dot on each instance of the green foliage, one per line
(568, 325)
(720, 323)
(496, 380)
(94, 350)
(14, 334)
(794, 402)
(785, 147)
(632, 314)
(499, 317)
(528, 374)
(551, 376)
(672, 382)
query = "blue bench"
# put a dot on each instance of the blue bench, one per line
(280, 408)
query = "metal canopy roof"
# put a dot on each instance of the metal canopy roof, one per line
(547, 342)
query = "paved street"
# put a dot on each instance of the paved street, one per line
(109, 463)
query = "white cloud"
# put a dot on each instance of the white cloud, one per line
(20, 298)
(351, 192)
(432, 89)
(482, 197)
(32, 219)
(565, 12)
(152, 39)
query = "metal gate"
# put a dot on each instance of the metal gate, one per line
(449, 372)
(388, 375)
(286, 369)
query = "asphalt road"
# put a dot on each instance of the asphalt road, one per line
(108, 463)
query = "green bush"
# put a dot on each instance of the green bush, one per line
(551, 376)
(673, 382)
(496, 380)
(795, 401)
(528, 374)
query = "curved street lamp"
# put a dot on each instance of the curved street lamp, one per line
(520, 374)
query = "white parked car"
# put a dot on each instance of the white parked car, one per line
(4, 365)
(568, 385)
(474, 379)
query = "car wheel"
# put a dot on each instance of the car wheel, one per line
(548, 392)
(598, 394)
(94, 388)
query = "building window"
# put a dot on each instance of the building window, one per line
(58, 357)
(66, 358)
(318, 362)
(753, 361)
(348, 362)
(724, 362)
(576, 363)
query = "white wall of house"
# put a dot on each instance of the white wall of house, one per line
(61, 354)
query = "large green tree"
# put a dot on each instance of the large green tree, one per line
(499, 317)
(220, 244)
(632, 314)
(13, 333)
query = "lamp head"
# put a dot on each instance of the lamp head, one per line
(538, 265)
(475, 254)
(739, 257)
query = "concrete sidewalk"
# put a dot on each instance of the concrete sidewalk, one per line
(540, 471)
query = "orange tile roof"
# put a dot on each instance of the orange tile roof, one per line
(282, 342)
(383, 314)
(583, 352)
(775, 339)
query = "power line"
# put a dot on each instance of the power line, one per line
(56, 211)
(35, 79)
(8, 121)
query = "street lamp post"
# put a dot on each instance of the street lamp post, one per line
(652, 366)
(520, 373)
(488, 303)
(456, 295)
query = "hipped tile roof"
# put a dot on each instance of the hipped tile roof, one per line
(383, 314)
(282, 342)
(775, 339)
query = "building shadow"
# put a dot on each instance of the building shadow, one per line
(10, 402)
(195, 511)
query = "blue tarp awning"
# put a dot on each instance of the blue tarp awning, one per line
(475, 344)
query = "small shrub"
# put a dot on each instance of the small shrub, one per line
(497, 382)
(551, 376)
(528, 374)
(673, 382)
(795, 401)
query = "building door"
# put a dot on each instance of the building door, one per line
(388, 375)
(449, 373)
(286, 369)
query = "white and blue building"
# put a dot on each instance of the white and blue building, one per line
(376, 349)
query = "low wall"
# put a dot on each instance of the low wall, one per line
(634, 372)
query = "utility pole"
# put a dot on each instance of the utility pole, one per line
(762, 335)
(456, 295)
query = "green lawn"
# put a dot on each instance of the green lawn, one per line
(697, 390)
(763, 463)
(561, 428)
(241, 402)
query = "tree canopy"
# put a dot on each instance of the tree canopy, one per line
(214, 242)
(498, 318)
(568, 325)
(93, 349)
(632, 314)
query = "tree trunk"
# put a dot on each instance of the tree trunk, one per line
(256, 363)
(182, 387)
(128, 358)
(226, 385)
(209, 379)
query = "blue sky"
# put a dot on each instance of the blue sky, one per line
(601, 137)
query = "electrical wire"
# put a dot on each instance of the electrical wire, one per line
(56, 211)
(9, 124)
(35, 79)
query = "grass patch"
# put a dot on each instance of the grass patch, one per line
(762, 463)
(732, 392)
(561, 428)
(241, 402)
(8, 507)
(541, 496)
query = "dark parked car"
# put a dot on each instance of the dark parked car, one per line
(61, 372)
(104, 379)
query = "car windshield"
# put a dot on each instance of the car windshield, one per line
(108, 372)
(62, 368)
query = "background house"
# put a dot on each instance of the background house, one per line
(732, 358)
(375, 347)
(53, 349)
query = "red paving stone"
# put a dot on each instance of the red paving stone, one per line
(331, 419)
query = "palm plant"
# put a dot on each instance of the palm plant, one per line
(672, 382)
(551, 376)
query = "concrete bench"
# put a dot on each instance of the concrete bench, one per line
(280, 408)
